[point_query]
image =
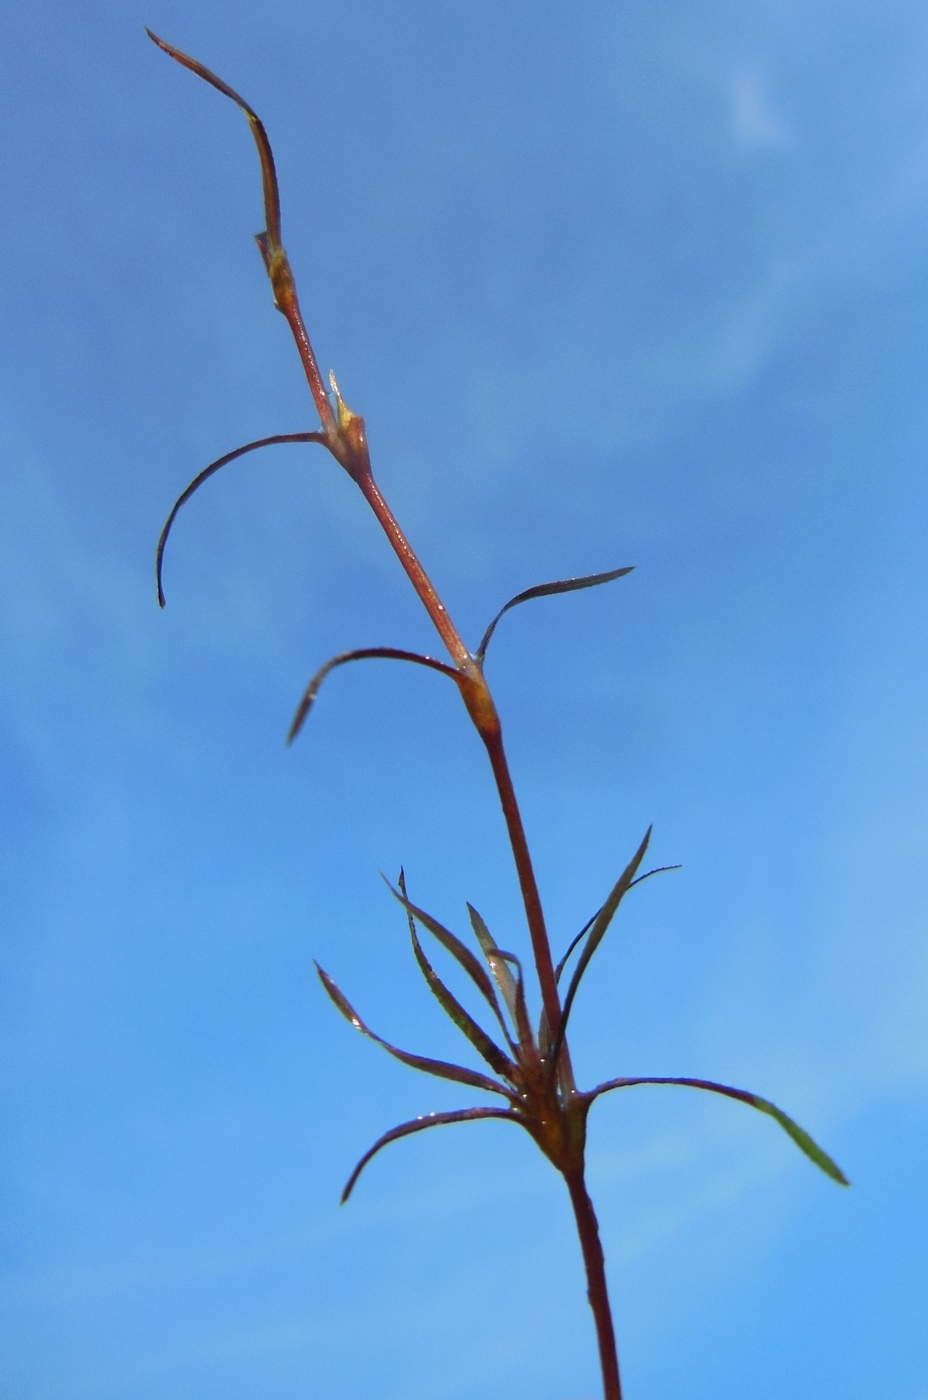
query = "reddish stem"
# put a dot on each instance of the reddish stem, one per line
(285, 297)
(597, 1291)
(534, 913)
(344, 435)
(417, 575)
(482, 710)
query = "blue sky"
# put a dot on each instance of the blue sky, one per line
(611, 284)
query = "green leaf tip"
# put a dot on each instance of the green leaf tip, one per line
(800, 1137)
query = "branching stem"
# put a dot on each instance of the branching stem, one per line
(560, 1125)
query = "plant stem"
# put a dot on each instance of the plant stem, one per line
(483, 712)
(417, 575)
(347, 440)
(560, 1125)
(288, 304)
(534, 913)
(476, 692)
(597, 1292)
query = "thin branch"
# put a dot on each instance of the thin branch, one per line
(528, 885)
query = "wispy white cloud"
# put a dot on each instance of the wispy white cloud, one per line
(754, 119)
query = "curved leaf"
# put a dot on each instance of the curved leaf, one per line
(799, 1135)
(597, 933)
(265, 154)
(477, 1036)
(360, 654)
(458, 950)
(658, 870)
(419, 1125)
(545, 590)
(269, 244)
(573, 943)
(440, 1068)
(204, 475)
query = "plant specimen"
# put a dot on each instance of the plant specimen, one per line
(531, 1082)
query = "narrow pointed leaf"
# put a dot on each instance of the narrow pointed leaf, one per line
(204, 475)
(799, 1135)
(658, 870)
(477, 1036)
(475, 971)
(499, 967)
(572, 945)
(440, 1068)
(597, 933)
(265, 154)
(545, 590)
(419, 1125)
(522, 1023)
(360, 654)
(512, 987)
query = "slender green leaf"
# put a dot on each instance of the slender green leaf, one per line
(477, 1036)
(419, 1125)
(474, 969)
(658, 870)
(204, 475)
(545, 590)
(522, 1022)
(597, 933)
(499, 967)
(440, 1068)
(360, 654)
(799, 1135)
(512, 987)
